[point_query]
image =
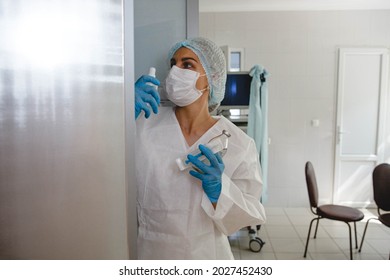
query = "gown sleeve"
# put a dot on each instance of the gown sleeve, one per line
(239, 203)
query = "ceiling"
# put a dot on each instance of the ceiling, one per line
(290, 5)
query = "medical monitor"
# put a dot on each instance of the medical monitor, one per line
(237, 91)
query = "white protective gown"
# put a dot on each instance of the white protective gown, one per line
(176, 218)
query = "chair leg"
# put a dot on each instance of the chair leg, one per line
(350, 240)
(315, 233)
(308, 235)
(356, 245)
(364, 234)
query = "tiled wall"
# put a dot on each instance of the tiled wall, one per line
(299, 49)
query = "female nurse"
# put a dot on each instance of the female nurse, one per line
(189, 214)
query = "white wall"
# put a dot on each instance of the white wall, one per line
(299, 49)
(157, 27)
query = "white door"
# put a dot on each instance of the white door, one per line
(64, 177)
(362, 90)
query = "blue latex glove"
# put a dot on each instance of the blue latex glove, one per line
(146, 96)
(211, 175)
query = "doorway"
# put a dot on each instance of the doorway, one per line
(361, 108)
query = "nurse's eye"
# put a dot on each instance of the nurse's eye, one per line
(187, 65)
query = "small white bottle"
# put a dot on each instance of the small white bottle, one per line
(152, 72)
(218, 144)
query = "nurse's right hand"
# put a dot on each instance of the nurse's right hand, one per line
(210, 175)
(146, 96)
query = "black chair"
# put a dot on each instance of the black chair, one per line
(381, 185)
(329, 211)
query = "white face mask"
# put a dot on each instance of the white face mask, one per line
(180, 86)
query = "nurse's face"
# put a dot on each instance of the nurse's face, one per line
(186, 59)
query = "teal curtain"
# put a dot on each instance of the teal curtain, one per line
(258, 119)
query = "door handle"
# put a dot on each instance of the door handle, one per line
(339, 133)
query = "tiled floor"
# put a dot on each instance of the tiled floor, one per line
(285, 236)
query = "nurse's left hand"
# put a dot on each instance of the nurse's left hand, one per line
(146, 96)
(211, 175)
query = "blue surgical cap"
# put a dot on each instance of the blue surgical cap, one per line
(213, 61)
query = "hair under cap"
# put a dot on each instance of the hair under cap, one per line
(213, 61)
